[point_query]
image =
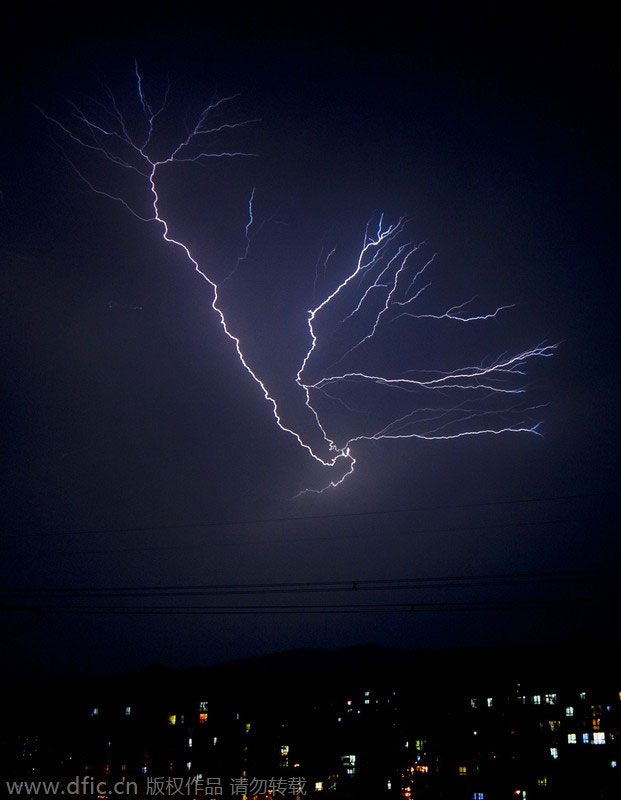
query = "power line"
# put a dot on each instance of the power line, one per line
(289, 540)
(360, 608)
(306, 587)
(299, 518)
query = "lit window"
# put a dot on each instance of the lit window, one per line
(569, 711)
(473, 702)
(203, 705)
(202, 719)
(599, 738)
(349, 762)
(94, 712)
(571, 738)
(537, 699)
(478, 796)
(188, 764)
(542, 781)
(367, 694)
(554, 752)
(215, 741)
(389, 785)
(123, 767)
(550, 699)
(585, 738)
(554, 724)
(189, 742)
(339, 719)
(284, 749)
(613, 764)
(319, 786)
(367, 701)
(128, 711)
(582, 695)
(596, 723)
(172, 719)
(490, 701)
(349, 702)
(420, 743)
(248, 726)
(462, 770)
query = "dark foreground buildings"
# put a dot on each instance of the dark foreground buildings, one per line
(480, 724)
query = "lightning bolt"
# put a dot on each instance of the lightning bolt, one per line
(381, 287)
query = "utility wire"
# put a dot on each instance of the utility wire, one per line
(288, 540)
(381, 608)
(304, 587)
(298, 518)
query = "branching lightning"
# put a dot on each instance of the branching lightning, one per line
(381, 288)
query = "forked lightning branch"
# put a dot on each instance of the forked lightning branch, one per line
(383, 286)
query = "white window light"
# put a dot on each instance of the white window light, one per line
(599, 738)
(554, 752)
(569, 711)
(571, 738)
(349, 762)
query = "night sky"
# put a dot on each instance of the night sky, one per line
(137, 452)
